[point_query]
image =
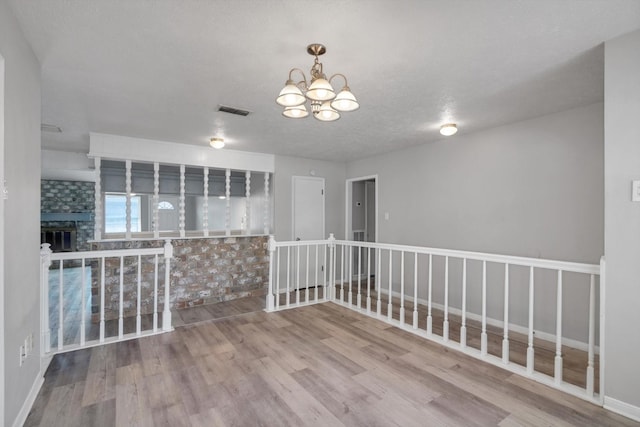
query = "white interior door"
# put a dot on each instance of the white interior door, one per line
(308, 208)
(308, 224)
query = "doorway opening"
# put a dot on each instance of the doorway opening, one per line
(361, 220)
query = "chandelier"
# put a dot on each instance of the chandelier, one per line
(325, 104)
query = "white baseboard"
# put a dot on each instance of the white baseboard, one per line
(28, 403)
(579, 345)
(622, 408)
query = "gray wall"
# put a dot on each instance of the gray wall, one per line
(22, 211)
(533, 188)
(622, 217)
(334, 175)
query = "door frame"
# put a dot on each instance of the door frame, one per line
(348, 193)
(3, 387)
(295, 178)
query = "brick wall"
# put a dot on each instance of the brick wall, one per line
(69, 197)
(203, 271)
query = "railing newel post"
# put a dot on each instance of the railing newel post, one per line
(332, 278)
(45, 263)
(270, 296)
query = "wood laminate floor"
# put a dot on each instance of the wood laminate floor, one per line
(321, 365)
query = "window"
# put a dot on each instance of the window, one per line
(165, 205)
(115, 213)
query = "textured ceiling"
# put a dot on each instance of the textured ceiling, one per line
(159, 69)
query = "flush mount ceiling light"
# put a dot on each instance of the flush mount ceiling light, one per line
(326, 106)
(217, 143)
(448, 129)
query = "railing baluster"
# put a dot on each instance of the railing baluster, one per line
(277, 273)
(227, 196)
(306, 276)
(429, 316)
(205, 202)
(298, 275)
(155, 293)
(166, 313)
(102, 266)
(350, 275)
(342, 257)
(121, 301)
(247, 195)
(415, 290)
(288, 297)
(483, 334)
(324, 268)
(445, 322)
(181, 203)
(368, 280)
(98, 216)
(315, 273)
(530, 350)
(379, 282)
(83, 304)
(61, 306)
(266, 222)
(463, 322)
(592, 331)
(139, 296)
(359, 299)
(401, 318)
(328, 269)
(156, 200)
(557, 371)
(128, 198)
(505, 336)
(390, 302)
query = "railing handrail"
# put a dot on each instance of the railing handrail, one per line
(279, 244)
(567, 266)
(109, 253)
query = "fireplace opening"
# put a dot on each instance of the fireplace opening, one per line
(61, 239)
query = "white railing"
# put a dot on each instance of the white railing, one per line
(67, 320)
(517, 300)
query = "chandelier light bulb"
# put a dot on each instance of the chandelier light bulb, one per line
(345, 101)
(448, 129)
(290, 95)
(320, 90)
(297, 112)
(326, 113)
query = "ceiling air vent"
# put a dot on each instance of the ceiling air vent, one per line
(232, 110)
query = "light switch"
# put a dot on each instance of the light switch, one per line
(635, 191)
(386, 216)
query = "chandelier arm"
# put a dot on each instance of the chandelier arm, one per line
(341, 75)
(304, 78)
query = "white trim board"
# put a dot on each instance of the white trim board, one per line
(622, 408)
(146, 150)
(28, 402)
